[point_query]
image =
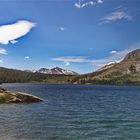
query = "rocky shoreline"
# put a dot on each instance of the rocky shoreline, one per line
(7, 96)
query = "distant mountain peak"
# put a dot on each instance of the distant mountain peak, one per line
(56, 70)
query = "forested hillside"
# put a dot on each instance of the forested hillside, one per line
(14, 76)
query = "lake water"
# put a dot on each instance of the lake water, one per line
(73, 112)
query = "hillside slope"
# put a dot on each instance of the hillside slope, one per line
(125, 72)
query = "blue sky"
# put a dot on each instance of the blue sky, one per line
(80, 35)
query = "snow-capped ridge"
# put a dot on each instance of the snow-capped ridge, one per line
(56, 70)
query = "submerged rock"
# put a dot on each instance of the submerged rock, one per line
(7, 96)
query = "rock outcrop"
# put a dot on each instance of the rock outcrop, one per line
(7, 96)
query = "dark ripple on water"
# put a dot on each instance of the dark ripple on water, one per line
(73, 112)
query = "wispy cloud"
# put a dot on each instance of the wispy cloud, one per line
(69, 59)
(115, 56)
(117, 14)
(3, 51)
(11, 32)
(83, 3)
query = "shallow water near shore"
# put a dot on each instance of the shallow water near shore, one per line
(73, 112)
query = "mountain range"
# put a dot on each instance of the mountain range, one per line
(125, 72)
(55, 71)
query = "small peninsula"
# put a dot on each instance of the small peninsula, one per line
(7, 96)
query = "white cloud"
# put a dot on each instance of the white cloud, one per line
(118, 14)
(113, 52)
(83, 3)
(1, 60)
(99, 1)
(77, 5)
(61, 28)
(3, 51)
(11, 32)
(26, 57)
(13, 41)
(67, 63)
